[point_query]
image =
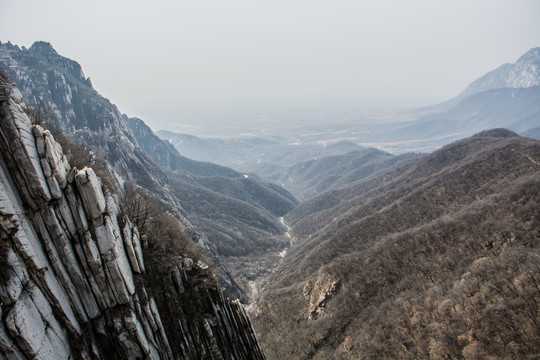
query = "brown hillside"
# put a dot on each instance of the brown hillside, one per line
(437, 259)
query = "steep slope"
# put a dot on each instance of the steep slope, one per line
(219, 179)
(524, 73)
(435, 258)
(166, 155)
(77, 282)
(58, 91)
(247, 209)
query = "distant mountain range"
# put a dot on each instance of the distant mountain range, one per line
(517, 109)
(253, 154)
(507, 97)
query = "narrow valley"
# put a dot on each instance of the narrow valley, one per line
(338, 240)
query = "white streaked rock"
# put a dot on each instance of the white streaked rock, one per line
(89, 187)
(25, 325)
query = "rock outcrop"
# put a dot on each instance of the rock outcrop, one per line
(73, 279)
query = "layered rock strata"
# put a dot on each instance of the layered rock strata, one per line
(73, 282)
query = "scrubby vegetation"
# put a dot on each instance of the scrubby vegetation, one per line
(158, 226)
(236, 227)
(436, 260)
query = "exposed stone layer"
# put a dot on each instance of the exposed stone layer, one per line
(72, 274)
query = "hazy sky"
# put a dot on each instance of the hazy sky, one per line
(160, 60)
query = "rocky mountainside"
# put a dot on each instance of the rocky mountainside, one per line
(233, 215)
(434, 258)
(77, 280)
(524, 73)
(165, 154)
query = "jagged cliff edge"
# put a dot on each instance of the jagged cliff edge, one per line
(73, 282)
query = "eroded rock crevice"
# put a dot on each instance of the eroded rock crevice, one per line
(74, 280)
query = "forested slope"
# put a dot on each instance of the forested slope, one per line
(438, 258)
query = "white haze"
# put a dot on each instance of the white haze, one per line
(190, 64)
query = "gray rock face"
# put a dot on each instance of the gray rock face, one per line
(73, 278)
(524, 73)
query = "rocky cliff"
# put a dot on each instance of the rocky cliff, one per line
(75, 278)
(235, 217)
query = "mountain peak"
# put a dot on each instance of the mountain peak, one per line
(533, 55)
(42, 48)
(524, 73)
